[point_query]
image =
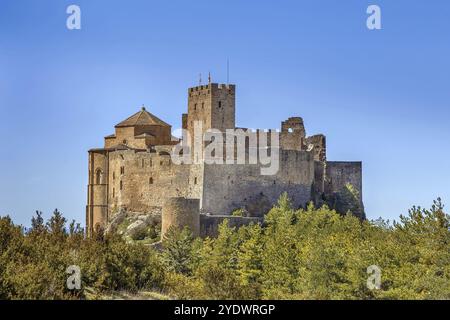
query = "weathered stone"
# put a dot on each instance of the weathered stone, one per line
(135, 173)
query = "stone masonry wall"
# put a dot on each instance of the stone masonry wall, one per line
(142, 180)
(230, 187)
(339, 173)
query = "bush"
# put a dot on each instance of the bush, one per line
(312, 253)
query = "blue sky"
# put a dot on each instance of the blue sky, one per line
(382, 97)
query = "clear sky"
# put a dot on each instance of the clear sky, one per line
(380, 96)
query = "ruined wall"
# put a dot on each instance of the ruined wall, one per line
(180, 212)
(319, 178)
(292, 134)
(317, 144)
(230, 187)
(339, 173)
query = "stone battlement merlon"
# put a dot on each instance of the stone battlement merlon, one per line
(212, 86)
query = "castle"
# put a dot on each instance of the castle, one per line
(134, 170)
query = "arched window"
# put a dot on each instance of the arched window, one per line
(98, 176)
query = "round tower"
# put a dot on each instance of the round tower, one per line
(180, 212)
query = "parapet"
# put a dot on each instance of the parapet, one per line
(213, 86)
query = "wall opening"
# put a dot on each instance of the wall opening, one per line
(98, 176)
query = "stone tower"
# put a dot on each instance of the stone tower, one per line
(180, 212)
(97, 204)
(213, 105)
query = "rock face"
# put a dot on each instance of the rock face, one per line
(116, 221)
(178, 212)
(135, 226)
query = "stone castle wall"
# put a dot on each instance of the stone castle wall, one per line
(235, 186)
(339, 173)
(134, 170)
(141, 180)
(180, 212)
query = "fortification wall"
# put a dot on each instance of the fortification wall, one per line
(230, 187)
(292, 134)
(142, 180)
(180, 212)
(339, 173)
(318, 145)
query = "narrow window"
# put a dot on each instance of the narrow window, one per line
(98, 176)
(195, 106)
(150, 181)
(142, 163)
(203, 105)
(121, 185)
(114, 192)
(195, 180)
(114, 175)
(220, 104)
